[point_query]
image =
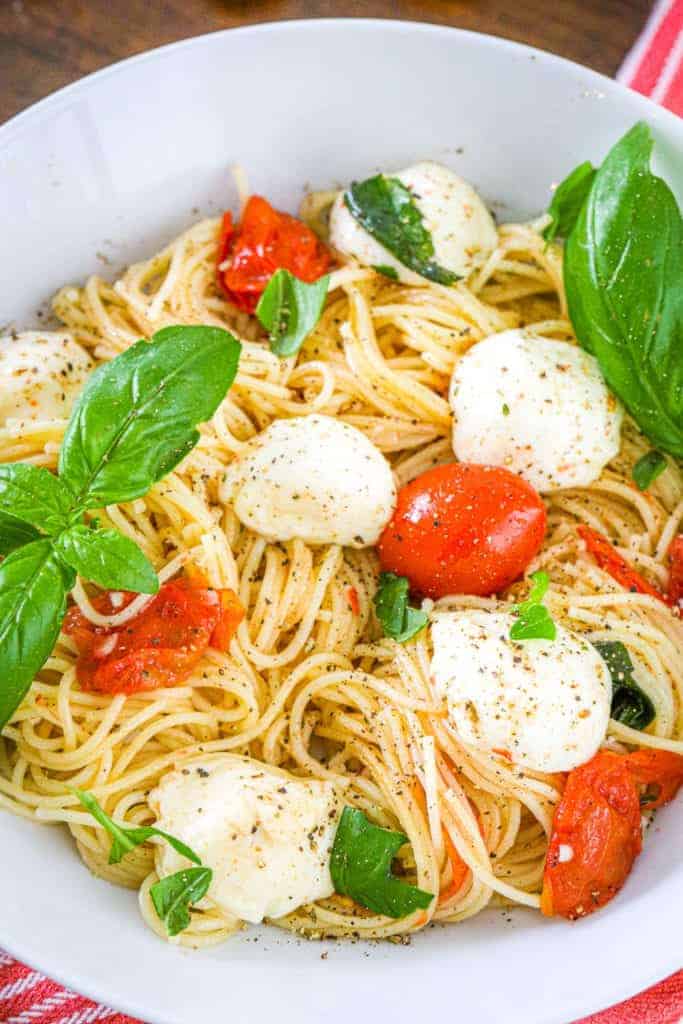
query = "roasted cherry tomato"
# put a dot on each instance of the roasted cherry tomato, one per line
(660, 772)
(596, 836)
(609, 559)
(265, 241)
(675, 591)
(160, 646)
(463, 529)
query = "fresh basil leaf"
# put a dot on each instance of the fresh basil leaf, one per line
(173, 896)
(34, 584)
(386, 271)
(126, 839)
(136, 416)
(14, 533)
(568, 200)
(360, 866)
(533, 618)
(630, 704)
(648, 468)
(399, 620)
(289, 309)
(388, 212)
(34, 495)
(623, 269)
(107, 558)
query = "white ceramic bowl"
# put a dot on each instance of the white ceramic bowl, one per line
(116, 165)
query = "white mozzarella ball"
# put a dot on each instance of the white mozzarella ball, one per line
(41, 373)
(315, 478)
(266, 835)
(462, 229)
(538, 407)
(545, 702)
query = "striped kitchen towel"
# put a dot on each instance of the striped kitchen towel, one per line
(655, 64)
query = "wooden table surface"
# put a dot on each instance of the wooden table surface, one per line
(45, 44)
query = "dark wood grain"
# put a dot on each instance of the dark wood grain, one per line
(45, 44)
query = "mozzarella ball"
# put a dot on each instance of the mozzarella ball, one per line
(540, 408)
(266, 835)
(315, 478)
(462, 229)
(545, 702)
(41, 373)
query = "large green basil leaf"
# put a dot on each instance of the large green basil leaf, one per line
(14, 533)
(34, 585)
(388, 212)
(35, 495)
(623, 274)
(108, 558)
(136, 417)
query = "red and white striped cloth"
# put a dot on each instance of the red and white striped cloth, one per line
(655, 68)
(655, 64)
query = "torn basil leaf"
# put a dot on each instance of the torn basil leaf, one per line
(568, 200)
(399, 619)
(174, 895)
(647, 469)
(360, 866)
(533, 618)
(630, 704)
(388, 212)
(289, 309)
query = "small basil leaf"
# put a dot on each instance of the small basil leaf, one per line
(107, 558)
(34, 495)
(386, 271)
(34, 584)
(137, 414)
(289, 309)
(534, 621)
(399, 620)
(126, 839)
(630, 704)
(360, 866)
(567, 201)
(648, 468)
(14, 533)
(173, 896)
(388, 212)
(623, 269)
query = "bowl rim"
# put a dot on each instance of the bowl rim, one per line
(609, 990)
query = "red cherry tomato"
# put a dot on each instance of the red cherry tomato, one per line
(609, 559)
(265, 241)
(463, 529)
(160, 646)
(596, 836)
(675, 591)
(660, 772)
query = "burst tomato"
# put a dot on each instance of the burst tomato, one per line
(675, 591)
(660, 772)
(463, 529)
(596, 837)
(265, 241)
(160, 646)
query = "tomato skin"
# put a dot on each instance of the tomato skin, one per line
(609, 559)
(675, 591)
(265, 241)
(598, 819)
(463, 529)
(161, 645)
(659, 768)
